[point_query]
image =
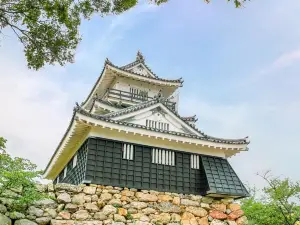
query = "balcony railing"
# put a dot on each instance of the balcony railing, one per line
(120, 95)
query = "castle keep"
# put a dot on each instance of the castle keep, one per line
(128, 133)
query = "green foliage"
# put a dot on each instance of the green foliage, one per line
(117, 205)
(17, 181)
(128, 216)
(261, 213)
(237, 3)
(2, 143)
(49, 29)
(277, 205)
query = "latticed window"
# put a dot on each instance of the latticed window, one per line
(75, 160)
(65, 171)
(157, 125)
(128, 151)
(195, 161)
(161, 156)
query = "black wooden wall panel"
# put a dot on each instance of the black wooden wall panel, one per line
(75, 175)
(106, 166)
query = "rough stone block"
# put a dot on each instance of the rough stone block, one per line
(24, 222)
(64, 198)
(43, 220)
(188, 202)
(68, 187)
(218, 215)
(89, 190)
(197, 211)
(146, 197)
(4, 220)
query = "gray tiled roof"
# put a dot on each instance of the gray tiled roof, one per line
(123, 68)
(108, 117)
(189, 118)
(221, 177)
(108, 103)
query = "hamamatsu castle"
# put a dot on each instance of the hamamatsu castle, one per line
(128, 133)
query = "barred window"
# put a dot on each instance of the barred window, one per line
(157, 125)
(195, 162)
(139, 94)
(161, 156)
(75, 160)
(65, 171)
(128, 151)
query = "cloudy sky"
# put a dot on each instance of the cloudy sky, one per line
(240, 66)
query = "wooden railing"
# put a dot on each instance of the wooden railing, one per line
(133, 97)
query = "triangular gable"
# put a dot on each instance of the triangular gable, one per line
(141, 69)
(154, 114)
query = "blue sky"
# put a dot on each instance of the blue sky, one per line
(240, 66)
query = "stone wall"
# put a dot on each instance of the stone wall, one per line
(105, 205)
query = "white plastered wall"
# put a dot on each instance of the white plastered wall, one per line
(158, 117)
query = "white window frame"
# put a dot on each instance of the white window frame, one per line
(163, 157)
(74, 161)
(65, 171)
(128, 150)
(195, 161)
(57, 181)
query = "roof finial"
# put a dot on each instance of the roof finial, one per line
(140, 57)
(107, 61)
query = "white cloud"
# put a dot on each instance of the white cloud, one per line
(273, 128)
(106, 39)
(283, 61)
(34, 109)
(274, 70)
(36, 106)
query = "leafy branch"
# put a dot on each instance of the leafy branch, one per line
(49, 29)
(18, 180)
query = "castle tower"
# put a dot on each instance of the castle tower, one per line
(128, 133)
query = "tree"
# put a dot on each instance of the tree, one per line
(2, 143)
(17, 180)
(49, 29)
(278, 205)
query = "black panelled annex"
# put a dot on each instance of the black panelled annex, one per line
(101, 161)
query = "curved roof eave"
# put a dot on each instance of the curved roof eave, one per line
(83, 112)
(179, 81)
(205, 137)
